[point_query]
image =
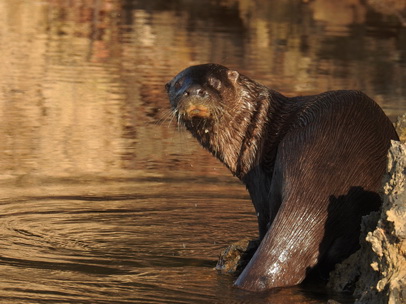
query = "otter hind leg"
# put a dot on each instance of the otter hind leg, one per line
(288, 251)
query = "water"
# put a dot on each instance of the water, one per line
(104, 199)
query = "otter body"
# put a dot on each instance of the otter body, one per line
(311, 164)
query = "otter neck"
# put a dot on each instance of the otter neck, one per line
(250, 138)
(250, 149)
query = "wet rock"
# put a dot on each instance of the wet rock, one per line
(236, 256)
(377, 272)
(332, 302)
(400, 126)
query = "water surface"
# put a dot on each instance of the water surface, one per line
(104, 199)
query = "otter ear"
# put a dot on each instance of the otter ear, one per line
(233, 75)
(167, 87)
(215, 83)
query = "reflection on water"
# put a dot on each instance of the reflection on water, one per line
(103, 199)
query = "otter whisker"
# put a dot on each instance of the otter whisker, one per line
(167, 115)
(163, 118)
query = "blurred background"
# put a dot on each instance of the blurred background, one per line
(103, 198)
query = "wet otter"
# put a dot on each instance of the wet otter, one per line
(312, 165)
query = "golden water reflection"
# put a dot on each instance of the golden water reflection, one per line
(101, 191)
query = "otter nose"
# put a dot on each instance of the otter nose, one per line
(195, 91)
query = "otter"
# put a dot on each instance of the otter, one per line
(311, 164)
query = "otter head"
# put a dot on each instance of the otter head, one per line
(199, 93)
(223, 109)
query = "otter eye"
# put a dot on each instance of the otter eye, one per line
(215, 83)
(179, 83)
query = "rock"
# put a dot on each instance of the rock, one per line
(236, 256)
(400, 126)
(377, 272)
(332, 302)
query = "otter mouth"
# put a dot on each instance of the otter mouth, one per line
(197, 111)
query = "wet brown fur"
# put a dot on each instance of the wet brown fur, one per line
(311, 164)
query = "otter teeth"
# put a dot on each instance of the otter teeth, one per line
(206, 131)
